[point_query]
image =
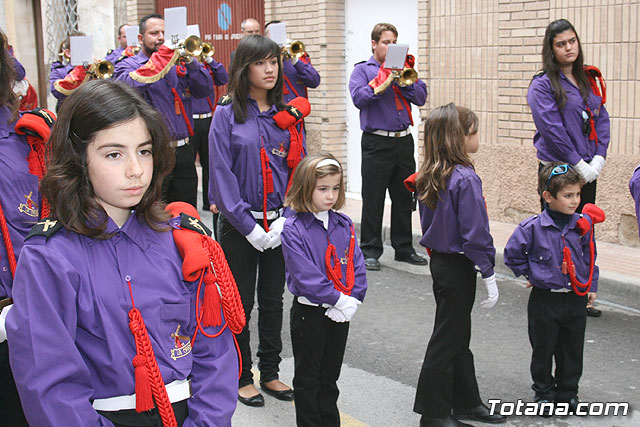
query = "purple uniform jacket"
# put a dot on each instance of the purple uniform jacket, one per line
(634, 187)
(19, 197)
(235, 177)
(460, 223)
(379, 112)
(220, 78)
(534, 251)
(301, 76)
(197, 82)
(69, 328)
(58, 71)
(114, 54)
(18, 68)
(304, 245)
(559, 135)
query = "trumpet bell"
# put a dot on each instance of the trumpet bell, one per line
(408, 76)
(193, 46)
(104, 70)
(297, 48)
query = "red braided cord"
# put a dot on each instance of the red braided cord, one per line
(295, 154)
(334, 272)
(144, 348)
(177, 99)
(264, 165)
(288, 82)
(11, 256)
(575, 283)
(397, 92)
(39, 169)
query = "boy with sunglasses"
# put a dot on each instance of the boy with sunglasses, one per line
(555, 252)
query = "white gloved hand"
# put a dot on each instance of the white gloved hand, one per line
(274, 233)
(168, 43)
(587, 171)
(597, 163)
(348, 305)
(258, 238)
(294, 60)
(335, 315)
(3, 317)
(208, 59)
(492, 292)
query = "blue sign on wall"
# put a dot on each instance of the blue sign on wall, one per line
(224, 16)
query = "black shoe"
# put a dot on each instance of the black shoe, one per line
(479, 413)
(372, 264)
(442, 422)
(257, 400)
(286, 395)
(572, 403)
(546, 411)
(593, 312)
(414, 259)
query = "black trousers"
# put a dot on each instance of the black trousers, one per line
(587, 194)
(181, 185)
(200, 145)
(11, 414)
(448, 377)
(318, 349)
(130, 418)
(386, 163)
(245, 263)
(557, 323)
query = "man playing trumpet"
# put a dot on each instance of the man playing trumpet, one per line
(384, 101)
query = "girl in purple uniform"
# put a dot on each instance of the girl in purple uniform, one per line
(455, 228)
(327, 275)
(102, 321)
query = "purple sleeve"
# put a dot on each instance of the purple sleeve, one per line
(52, 379)
(477, 243)
(199, 80)
(19, 69)
(57, 74)
(548, 121)
(361, 92)
(303, 275)
(516, 252)
(415, 93)
(586, 254)
(223, 184)
(122, 70)
(360, 286)
(634, 188)
(220, 76)
(307, 74)
(603, 130)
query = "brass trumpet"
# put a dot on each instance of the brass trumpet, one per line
(296, 49)
(207, 51)
(104, 70)
(191, 47)
(406, 77)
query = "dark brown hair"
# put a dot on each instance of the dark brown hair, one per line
(142, 27)
(443, 151)
(95, 106)
(557, 182)
(468, 120)
(300, 195)
(7, 78)
(253, 48)
(551, 67)
(380, 28)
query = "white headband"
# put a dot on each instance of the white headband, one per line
(327, 162)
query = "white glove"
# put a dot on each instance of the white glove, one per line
(274, 233)
(347, 305)
(208, 59)
(492, 292)
(258, 238)
(335, 315)
(597, 163)
(168, 43)
(3, 317)
(587, 171)
(294, 60)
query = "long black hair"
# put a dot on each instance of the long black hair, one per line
(551, 67)
(251, 49)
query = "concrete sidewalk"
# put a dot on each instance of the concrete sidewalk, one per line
(619, 282)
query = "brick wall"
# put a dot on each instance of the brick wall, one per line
(136, 9)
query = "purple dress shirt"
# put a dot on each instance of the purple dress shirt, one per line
(559, 135)
(69, 328)
(301, 76)
(58, 71)
(220, 78)
(534, 251)
(235, 177)
(19, 197)
(197, 82)
(634, 187)
(460, 223)
(379, 112)
(114, 54)
(304, 245)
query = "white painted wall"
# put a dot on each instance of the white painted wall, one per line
(360, 17)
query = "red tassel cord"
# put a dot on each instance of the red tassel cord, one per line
(296, 151)
(569, 268)
(334, 269)
(181, 111)
(267, 182)
(400, 98)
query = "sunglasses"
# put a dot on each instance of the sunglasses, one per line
(558, 170)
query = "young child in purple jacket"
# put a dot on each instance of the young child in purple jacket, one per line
(555, 252)
(326, 273)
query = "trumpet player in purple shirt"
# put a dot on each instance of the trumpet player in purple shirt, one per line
(102, 321)
(455, 229)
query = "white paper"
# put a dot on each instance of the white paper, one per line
(396, 55)
(132, 35)
(81, 50)
(175, 23)
(193, 30)
(278, 33)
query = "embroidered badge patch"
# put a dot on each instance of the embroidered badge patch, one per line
(280, 151)
(29, 207)
(181, 349)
